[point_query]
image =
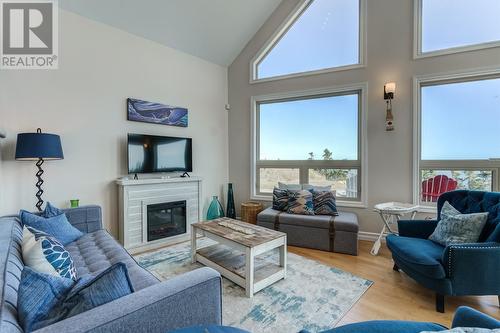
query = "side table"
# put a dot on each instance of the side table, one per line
(391, 212)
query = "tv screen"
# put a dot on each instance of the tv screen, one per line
(150, 153)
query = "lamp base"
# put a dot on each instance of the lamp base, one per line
(39, 184)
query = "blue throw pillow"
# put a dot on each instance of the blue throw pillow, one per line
(38, 294)
(51, 211)
(90, 292)
(56, 225)
(45, 299)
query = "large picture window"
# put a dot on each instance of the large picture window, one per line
(458, 148)
(449, 26)
(309, 139)
(320, 35)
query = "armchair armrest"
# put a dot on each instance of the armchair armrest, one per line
(194, 298)
(416, 228)
(468, 317)
(473, 268)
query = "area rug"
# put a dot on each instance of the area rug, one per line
(313, 296)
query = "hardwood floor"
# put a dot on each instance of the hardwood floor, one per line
(393, 294)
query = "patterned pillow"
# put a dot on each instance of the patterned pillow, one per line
(280, 199)
(457, 228)
(300, 202)
(44, 254)
(324, 203)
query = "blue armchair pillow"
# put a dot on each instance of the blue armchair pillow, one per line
(457, 228)
(45, 299)
(52, 221)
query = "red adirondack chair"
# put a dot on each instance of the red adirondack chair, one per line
(432, 188)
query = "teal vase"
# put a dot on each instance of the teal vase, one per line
(215, 209)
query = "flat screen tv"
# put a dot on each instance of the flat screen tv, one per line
(150, 154)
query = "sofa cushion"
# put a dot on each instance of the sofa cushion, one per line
(96, 251)
(44, 254)
(423, 254)
(345, 221)
(57, 226)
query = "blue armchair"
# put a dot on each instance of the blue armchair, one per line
(455, 270)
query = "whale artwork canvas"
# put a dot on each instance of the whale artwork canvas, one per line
(156, 113)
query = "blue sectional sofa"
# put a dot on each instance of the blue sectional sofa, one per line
(459, 270)
(191, 299)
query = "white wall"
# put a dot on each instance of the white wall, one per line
(84, 101)
(389, 58)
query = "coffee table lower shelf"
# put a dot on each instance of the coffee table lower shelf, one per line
(232, 265)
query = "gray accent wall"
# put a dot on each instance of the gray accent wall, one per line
(389, 58)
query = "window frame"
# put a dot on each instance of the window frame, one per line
(417, 39)
(283, 29)
(492, 164)
(304, 165)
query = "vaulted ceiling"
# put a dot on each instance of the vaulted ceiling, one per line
(214, 30)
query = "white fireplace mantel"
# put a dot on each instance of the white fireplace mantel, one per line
(134, 197)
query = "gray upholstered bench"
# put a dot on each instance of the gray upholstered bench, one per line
(322, 232)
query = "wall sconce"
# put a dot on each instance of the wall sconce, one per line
(389, 90)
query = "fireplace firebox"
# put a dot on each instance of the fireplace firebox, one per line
(166, 220)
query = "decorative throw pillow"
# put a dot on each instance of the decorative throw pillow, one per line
(457, 228)
(300, 202)
(52, 221)
(290, 187)
(324, 203)
(112, 283)
(280, 199)
(44, 254)
(38, 294)
(45, 299)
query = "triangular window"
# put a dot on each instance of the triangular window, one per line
(320, 35)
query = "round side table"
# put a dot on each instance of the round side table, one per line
(391, 212)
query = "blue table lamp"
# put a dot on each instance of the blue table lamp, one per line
(38, 147)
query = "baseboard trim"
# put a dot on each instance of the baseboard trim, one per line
(369, 236)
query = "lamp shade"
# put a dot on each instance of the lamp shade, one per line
(32, 146)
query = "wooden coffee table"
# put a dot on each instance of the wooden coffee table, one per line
(235, 255)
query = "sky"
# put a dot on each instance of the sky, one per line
(326, 35)
(290, 130)
(459, 121)
(452, 23)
